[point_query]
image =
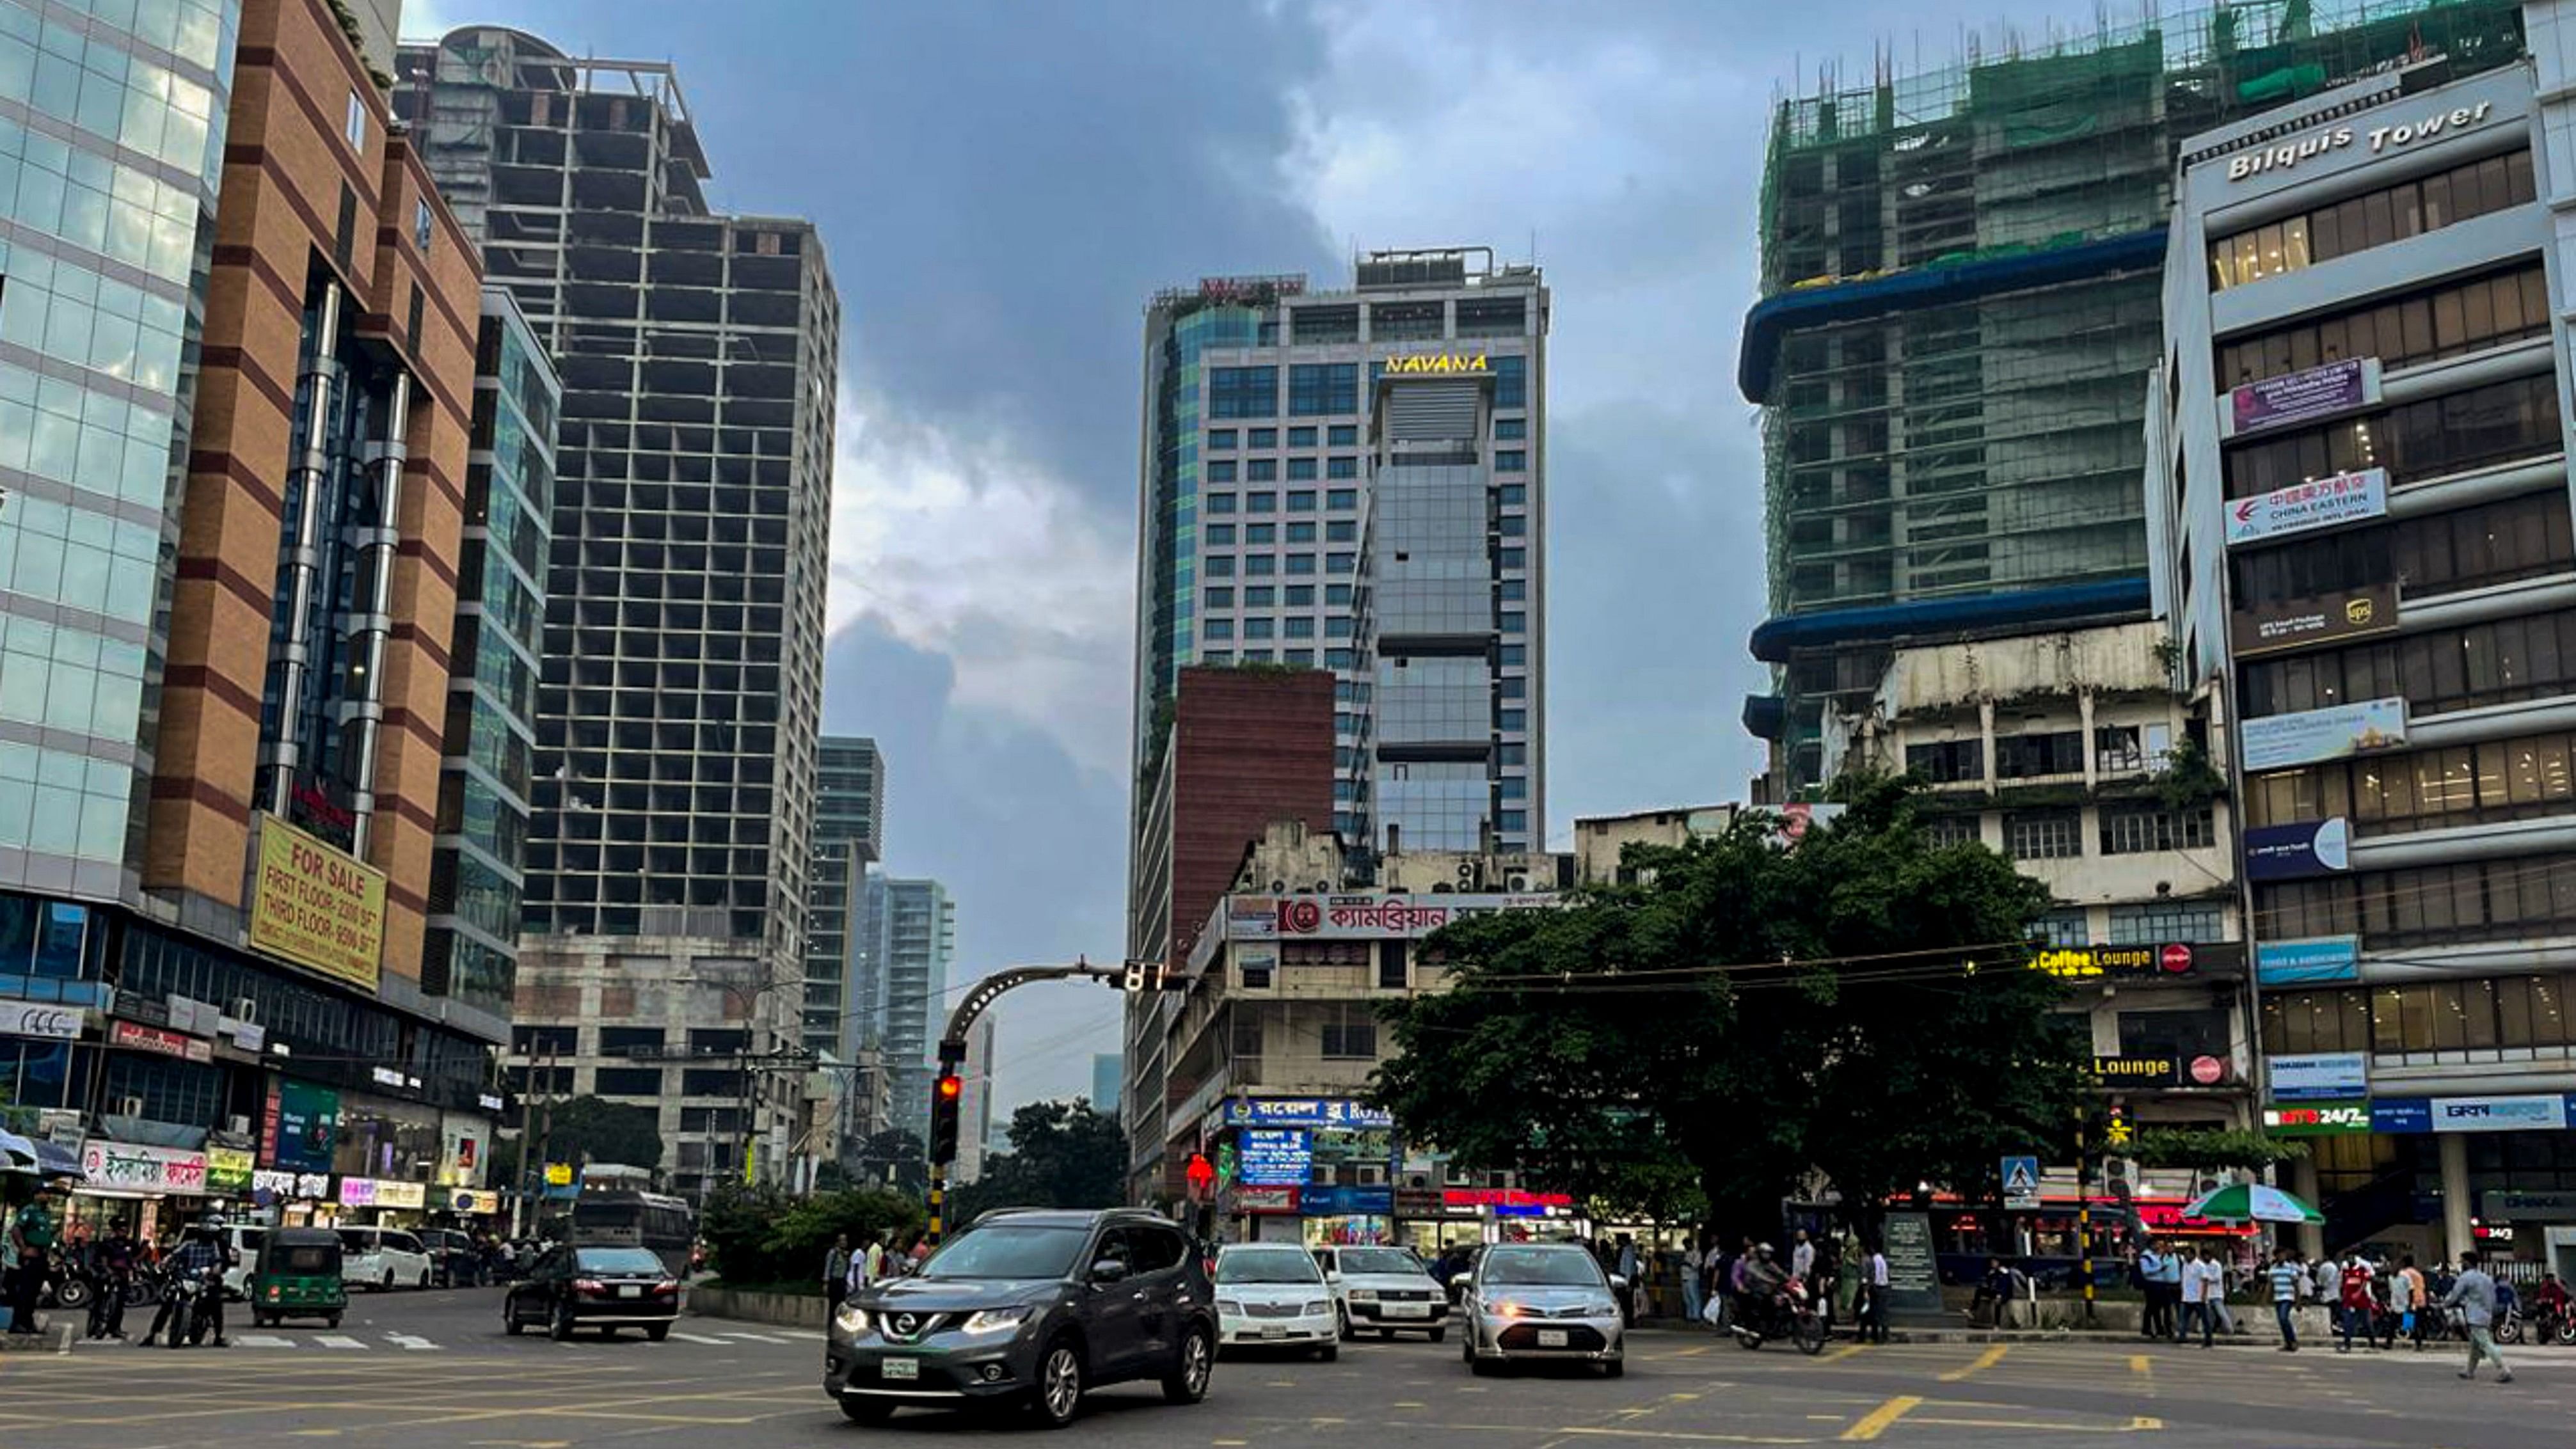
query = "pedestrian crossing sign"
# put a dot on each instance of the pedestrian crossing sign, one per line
(2021, 1182)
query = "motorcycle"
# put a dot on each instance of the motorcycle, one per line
(1790, 1313)
(2551, 1326)
(2508, 1324)
(196, 1300)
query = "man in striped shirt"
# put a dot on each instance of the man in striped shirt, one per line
(2286, 1276)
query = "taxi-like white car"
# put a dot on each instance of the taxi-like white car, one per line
(1272, 1295)
(1386, 1289)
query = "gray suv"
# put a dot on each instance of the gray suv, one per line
(1030, 1307)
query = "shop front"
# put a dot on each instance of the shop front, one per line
(1341, 1216)
(1431, 1221)
(281, 1198)
(382, 1202)
(138, 1188)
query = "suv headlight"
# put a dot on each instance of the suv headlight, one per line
(852, 1320)
(1320, 1307)
(1363, 1295)
(997, 1320)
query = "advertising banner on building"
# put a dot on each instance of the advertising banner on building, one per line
(2296, 397)
(2318, 1076)
(2134, 963)
(2500, 1114)
(2505, 1205)
(153, 1039)
(2278, 741)
(2298, 852)
(408, 1196)
(302, 1128)
(2349, 614)
(1304, 1112)
(135, 1167)
(1345, 1201)
(43, 1020)
(228, 1170)
(2308, 962)
(2306, 507)
(317, 907)
(2318, 1119)
(1265, 1199)
(1377, 916)
(1274, 1156)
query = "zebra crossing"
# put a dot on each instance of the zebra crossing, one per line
(385, 1340)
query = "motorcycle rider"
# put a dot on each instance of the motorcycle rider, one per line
(203, 1257)
(2549, 1302)
(109, 1271)
(1763, 1280)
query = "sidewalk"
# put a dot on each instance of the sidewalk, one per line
(59, 1329)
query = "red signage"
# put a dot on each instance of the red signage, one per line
(1265, 1199)
(2207, 1071)
(1503, 1197)
(2175, 959)
(162, 1043)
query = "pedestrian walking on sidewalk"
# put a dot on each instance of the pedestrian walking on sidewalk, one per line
(836, 1273)
(1692, 1262)
(2474, 1294)
(2197, 1273)
(2287, 1276)
(1873, 1316)
(2352, 1298)
(2410, 1300)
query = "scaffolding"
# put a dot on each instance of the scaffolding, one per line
(1962, 279)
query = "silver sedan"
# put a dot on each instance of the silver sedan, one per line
(1541, 1301)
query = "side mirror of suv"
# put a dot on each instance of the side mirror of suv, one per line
(1108, 1270)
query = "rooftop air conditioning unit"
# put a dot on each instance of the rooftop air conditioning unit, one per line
(1517, 881)
(237, 1124)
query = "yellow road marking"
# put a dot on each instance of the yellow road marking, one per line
(1229, 1443)
(1985, 1361)
(1411, 1404)
(2142, 1366)
(1682, 1398)
(1838, 1355)
(1876, 1422)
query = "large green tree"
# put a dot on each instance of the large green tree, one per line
(1752, 1017)
(589, 1129)
(1063, 1154)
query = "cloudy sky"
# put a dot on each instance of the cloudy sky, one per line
(1001, 186)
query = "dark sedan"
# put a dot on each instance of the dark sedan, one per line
(603, 1288)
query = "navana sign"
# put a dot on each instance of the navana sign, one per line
(1472, 363)
(2382, 139)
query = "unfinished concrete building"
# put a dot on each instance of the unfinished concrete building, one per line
(680, 703)
(1961, 273)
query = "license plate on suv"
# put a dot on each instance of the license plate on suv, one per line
(1551, 1338)
(898, 1369)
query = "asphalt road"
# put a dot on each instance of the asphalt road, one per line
(432, 1370)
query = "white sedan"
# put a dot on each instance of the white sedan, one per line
(1271, 1295)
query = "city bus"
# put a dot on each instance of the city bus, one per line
(617, 1207)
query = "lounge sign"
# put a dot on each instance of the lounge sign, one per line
(2084, 963)
(2349, 614)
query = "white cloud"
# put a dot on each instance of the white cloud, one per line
(958, 543)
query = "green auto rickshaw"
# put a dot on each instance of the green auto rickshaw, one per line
(297, 1275)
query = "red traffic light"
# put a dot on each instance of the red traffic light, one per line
(1202, 1172)
(950, 1086)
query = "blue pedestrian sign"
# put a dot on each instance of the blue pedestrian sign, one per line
(2021, 1182)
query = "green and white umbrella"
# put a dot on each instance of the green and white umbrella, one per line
(2251, 1202)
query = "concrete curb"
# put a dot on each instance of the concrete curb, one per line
(55, 1337)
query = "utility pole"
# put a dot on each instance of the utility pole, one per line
(2084, 1213)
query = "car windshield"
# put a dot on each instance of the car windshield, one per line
(1379, 1260)
(616, 1260)
(1542, 1267)
(1267, 1265)
(1007, 1250)
(356, 1240)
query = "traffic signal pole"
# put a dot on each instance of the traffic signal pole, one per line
(948, 1089)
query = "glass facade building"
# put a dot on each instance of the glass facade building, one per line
(849, 836)
(475, 879)
(112, 120)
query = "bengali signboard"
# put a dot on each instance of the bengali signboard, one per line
(1417, 1202)
(357, 1192)
(135, 1167)
(228, 1170)
(1275, 1156)
(1378, 916)
(2318, 1076)
(2306, 507)
(317, 907)
(2297, 397)
(1265, 1199)
(2348, 614)
(2308, 962)
(2279, 741)
(2500, 1114)
(1330, 1112)
(409, 1196)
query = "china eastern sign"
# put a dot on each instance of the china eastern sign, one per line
(2305, 507)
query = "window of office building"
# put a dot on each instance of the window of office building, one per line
(2466, 548)
(2424, 326)
(2155, 922)
(2472, 428)
(2127, 830)
(2462, 667)
(2372, 219)
(1946, 762)
(1319, 388)
(2044, 834)
(2020, 757)
(1243, 392)
(2509, 1012)
(2523, 778)
(2423, 905)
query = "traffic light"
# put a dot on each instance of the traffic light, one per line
(944, 1097)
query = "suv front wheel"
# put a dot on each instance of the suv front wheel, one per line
(1188, 1381)
(1059, 1395)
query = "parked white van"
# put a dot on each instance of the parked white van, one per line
(383, 1258)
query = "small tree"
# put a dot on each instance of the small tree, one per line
(589, 1129)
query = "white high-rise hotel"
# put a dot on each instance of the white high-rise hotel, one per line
(1354, 481)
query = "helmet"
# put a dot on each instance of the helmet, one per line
(211, 1224)
(1762, 1251)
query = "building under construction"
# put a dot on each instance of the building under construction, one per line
(1961, 274)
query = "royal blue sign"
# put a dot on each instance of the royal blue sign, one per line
(2298, 852)
(2293, 963)
(1326, 1112)
(1274, 1156)
(2401, 1115)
